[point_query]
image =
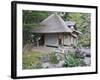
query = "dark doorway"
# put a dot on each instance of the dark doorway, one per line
(41, 41)
(60, 41)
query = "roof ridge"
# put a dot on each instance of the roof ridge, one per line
(63, 23)
(47, 18)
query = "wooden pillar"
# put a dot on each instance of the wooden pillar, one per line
(37, 43)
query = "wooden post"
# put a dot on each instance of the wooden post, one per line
(37, 43)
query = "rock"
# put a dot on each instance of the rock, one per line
(77, 50)
(60, 64)
(59, 56)
(46, 65)
(45, 58)
(83, 52)
(87, 60)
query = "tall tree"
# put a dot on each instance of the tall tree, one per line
(31, 19)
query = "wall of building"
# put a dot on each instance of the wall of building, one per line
(67, 39)
(51, 39)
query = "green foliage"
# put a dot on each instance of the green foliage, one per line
(31, 19)
(83, 25)
(27, 34)
(71, 60)
(53, 58)
(31, 60)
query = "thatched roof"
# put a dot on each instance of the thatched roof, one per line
(53, 24)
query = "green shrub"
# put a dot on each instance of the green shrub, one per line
(72, 61)
(53, 58)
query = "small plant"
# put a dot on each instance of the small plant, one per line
(53, 58)
(72, 61)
